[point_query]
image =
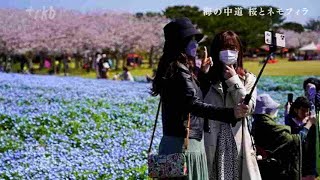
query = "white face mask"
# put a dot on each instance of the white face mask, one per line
(191, 49)
(228, 57)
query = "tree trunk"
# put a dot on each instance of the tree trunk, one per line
(5, 58)
(151, 57)
(9, 63)
(41, 61)
(77, 62)
(124, 60)
(53, 64)
(117, 61)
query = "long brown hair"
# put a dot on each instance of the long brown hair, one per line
(225, 40)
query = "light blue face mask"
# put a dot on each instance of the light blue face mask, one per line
(191, 49)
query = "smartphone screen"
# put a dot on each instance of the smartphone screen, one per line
(290, 97)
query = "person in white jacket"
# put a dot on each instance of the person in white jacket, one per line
(229, 149)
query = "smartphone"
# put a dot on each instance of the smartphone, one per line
(275, 39)
(280, 40)
(268, 37)
(290, 97)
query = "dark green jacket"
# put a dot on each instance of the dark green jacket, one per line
(269, 135)
(308, 138)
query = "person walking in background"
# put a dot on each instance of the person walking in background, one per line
(275, 141)
(110, 61)
(104, 67)
(97, 65)
(229, 150)
(180, 95)
(87, 64)
(65, 61)
(47, 64)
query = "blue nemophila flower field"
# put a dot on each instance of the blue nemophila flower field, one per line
(74, 128)
(58, 128)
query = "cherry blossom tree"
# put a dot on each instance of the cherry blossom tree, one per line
(297, 40)
(74, 32)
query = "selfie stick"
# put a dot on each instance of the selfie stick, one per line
(272, 48)
(248, 96)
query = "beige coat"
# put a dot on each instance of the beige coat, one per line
(238, 87)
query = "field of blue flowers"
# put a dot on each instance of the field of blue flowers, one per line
(73, 128)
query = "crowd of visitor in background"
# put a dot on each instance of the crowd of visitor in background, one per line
(101, 64)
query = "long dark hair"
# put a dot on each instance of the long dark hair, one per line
(223, 40)
(173, 52)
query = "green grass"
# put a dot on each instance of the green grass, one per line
(139, 71)
(285, 68)
(282, 68)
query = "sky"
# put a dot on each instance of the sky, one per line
(159, 5)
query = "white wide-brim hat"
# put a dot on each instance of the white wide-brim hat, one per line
(265, 104)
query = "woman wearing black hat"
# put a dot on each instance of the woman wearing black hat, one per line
(180, 95)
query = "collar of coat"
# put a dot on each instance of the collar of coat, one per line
(218, 85)
(183, 67)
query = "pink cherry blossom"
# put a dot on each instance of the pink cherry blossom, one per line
(72, 31)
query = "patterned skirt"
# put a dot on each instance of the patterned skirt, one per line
(226, 158)
(195, 154)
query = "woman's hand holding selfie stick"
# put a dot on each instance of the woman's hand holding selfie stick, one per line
(273, 48)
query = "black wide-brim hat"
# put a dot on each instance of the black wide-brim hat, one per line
(181, 28)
